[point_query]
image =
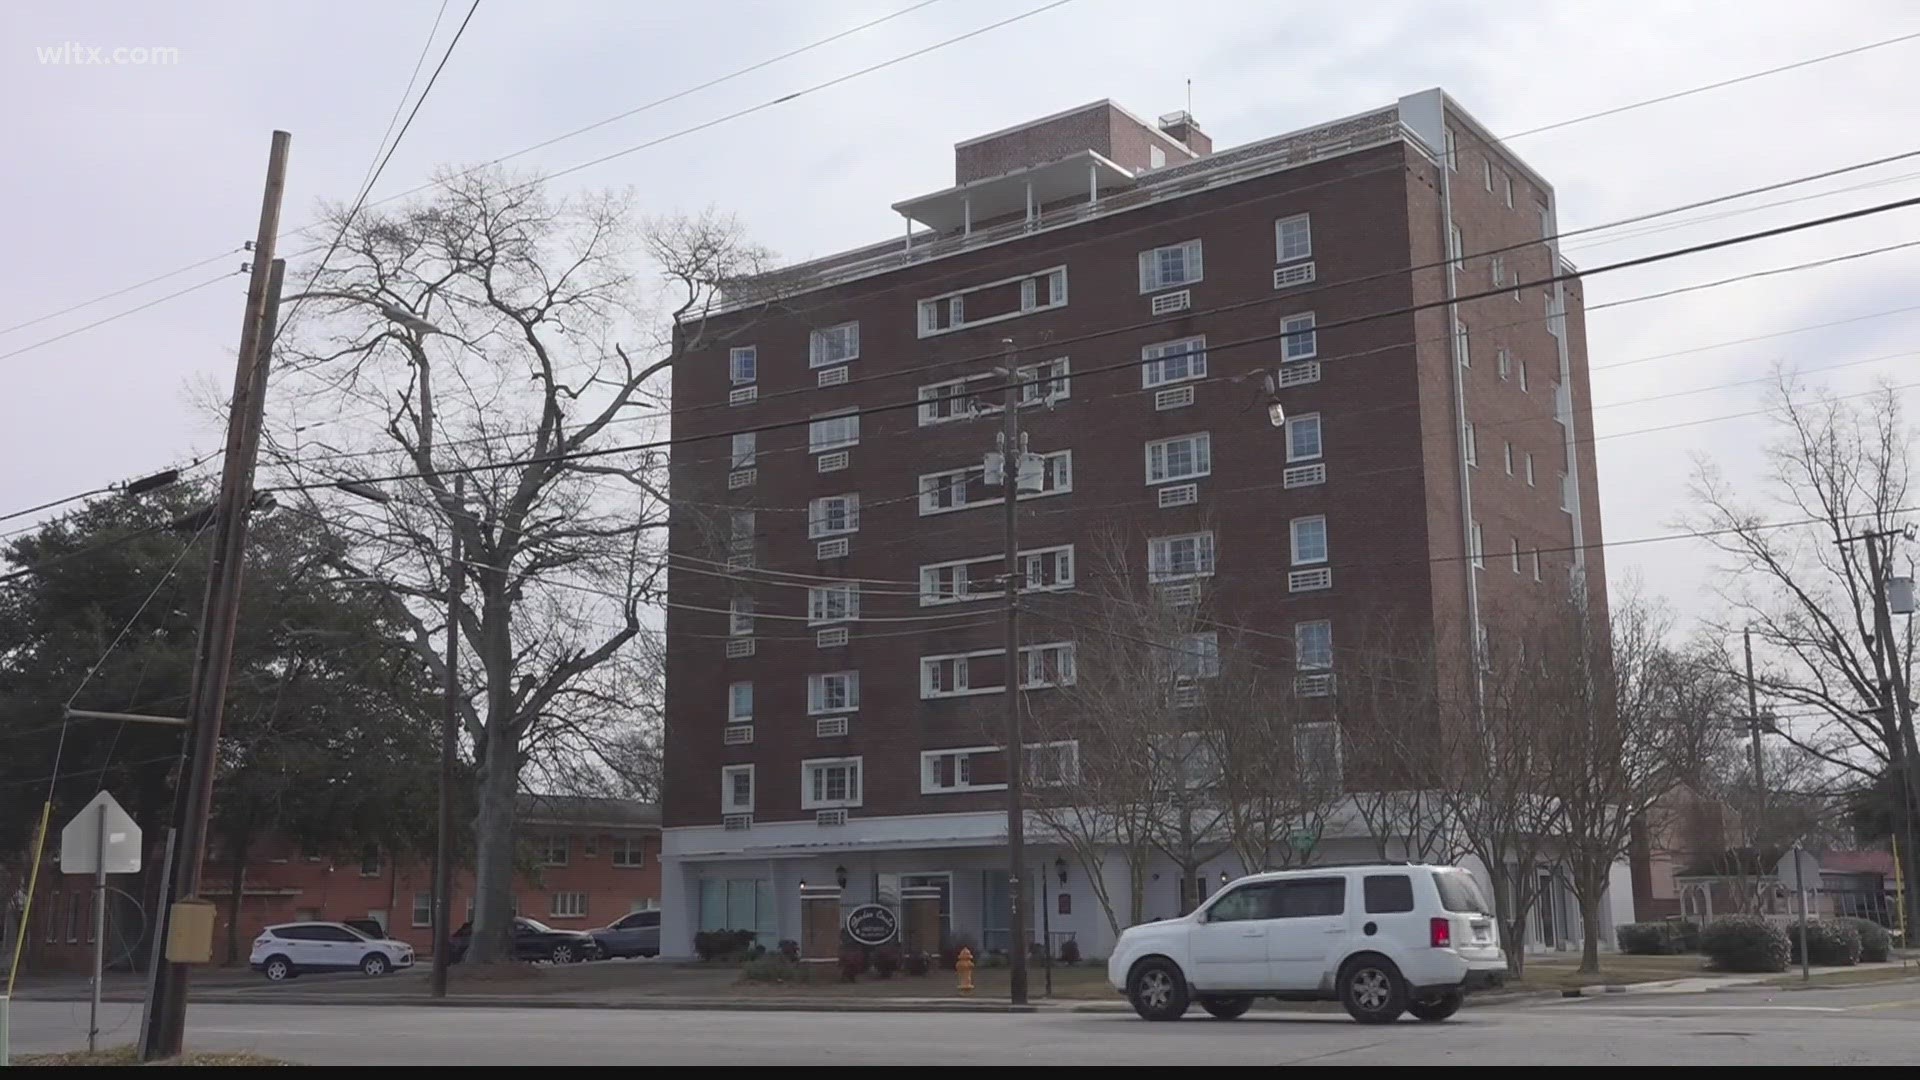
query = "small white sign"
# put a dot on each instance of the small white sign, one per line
(80, 848)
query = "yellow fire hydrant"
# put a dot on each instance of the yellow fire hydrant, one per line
(963, 966)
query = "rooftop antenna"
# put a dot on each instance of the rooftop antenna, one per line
(1189, 100)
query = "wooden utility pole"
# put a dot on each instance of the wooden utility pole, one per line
(449, 729)
(220, 615)
(1012, 456)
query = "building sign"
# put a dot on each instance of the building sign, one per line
(872, 924)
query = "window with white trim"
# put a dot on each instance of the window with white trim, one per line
(1497, 269)
(833, 431)
(1509, 457)
(567, 905)
(960, 489)
(838, 602)
(953, 399)
(1173, 361)
(1516, 554)
(979, 578)
(1536, 564)
(1456, 245)
(943, 676)
(740, 527)
(1293, 238)
(1309, 535)
(1313, 645)
(949, 490)
(1182, 457)
(943, 771)
(833, 692)
(553, 849)
(743, 364)
(740, 615)
(1486, 170)
(743, 449)
(736, 789)
(1316, 748)
(628, 852)
(1299, 342)
(423, 909)
(943, 584)
(829, 782)
(1047, 665)
(993, 301)
(740, 703)
(1471, 439)
(833, 345)
(1504, 362)
(1478, 551)
(1523, 378)
(833, 515)
(1460, 342)
(1303, 437)
(1051, 764)
(1451, 154)
(1045, 383)
(1530, 468)
(1509, 179)
(1170, 267)
(1196, 656)
(1175, 558)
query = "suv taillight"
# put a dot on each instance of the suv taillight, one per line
(1440, 933)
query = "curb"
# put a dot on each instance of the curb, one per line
(877, 1005)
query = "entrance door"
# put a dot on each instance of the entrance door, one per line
(1548, 907)
(1311, 929)
(1229, 943)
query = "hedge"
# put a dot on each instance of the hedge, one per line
(1876, 944)
(1830, 943)
(1745, 943)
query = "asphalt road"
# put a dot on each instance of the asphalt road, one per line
(1861, 1026)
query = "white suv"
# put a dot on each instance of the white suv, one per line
(291, 949)
(1381, 938)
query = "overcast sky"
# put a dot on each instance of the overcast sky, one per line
(117, 173)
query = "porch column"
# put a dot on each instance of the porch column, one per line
(1093, 183)
(909, 240)
(1029, 204)
(966, 215)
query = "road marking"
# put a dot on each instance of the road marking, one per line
(1885, 1005)
(1703, 1007)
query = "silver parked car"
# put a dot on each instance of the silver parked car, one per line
(637, 934)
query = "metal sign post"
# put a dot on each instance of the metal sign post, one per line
(110, 845)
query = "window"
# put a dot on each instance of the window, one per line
(370, 861)
(1313, 645)
(1477, 551)
(952, 400)
(1170, 267)
(1470, 439)
(1303, 437)
(944, 583)
(1523, 377)
(736, 789)
(1536, 564)
(1043, 383)
(838, 602)
(1292, 238)
(1456, 245)
(1254, 902)
(740, 703)
(740, 615)
(743, 449)
(1530, 468)
(1505, 364)
(740, 527)
(1509, 179)
(1051, 764)
(1451, 157)
(1173, 361)
(832, 515)
(1309, 540)
(1463, 353)
(1173, 558)
(834, 431)
(1516, 554)
(1047, 665)
(953, 770)
(1486, 169)
(1156, 157)
(1298, 340)
(629, 852)
(1180, 458)
(1316, 752)
(959, 489)
(993, 301)
(834, 692)
(1387, 894)
(943, 676)
(1047, 568)
(568, 905)
(1460, 892)
(1307, 898)
(1197, 656)
(553, 850)
(422, 909)
(829, 782)
(743, 364)
(978, 578)
(945, 491)
(834, 345)
(1497, 269)
(1509, 457)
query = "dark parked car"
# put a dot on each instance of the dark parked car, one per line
(637, 934)
(370, 927)
(534, 941)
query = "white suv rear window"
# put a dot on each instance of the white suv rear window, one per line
(1460, 892)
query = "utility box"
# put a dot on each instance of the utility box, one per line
(1900, 595)
(190, 932)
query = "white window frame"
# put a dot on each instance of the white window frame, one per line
(1509, 178)
(552, 843)
(1160, 557)
(740, 616)
(927, 310)
(1509, 457)
(627, 852)
(751, 355)
(1303, 735)
(1152, 271)
(1057, 463)
(819, 337)
(1054, 376)
(820, 600)
(734, 715)
(820, 515)
(1515, 541)
(1032, 664)
(728, 804)
(1294, 530)
(1034, 753)
(422, 901)
(1302, 341)
(1154, 361)
(1523, 378)
(818, 445)
(1301, 660)
(1200, 651)
(1530, 482)
(570, 904)
(1478, 551)
(745, 449)
(1497, 270)
(1471, 438)
(1504, 363)
(1307, 421)
(817, 695)
(1450, 151)
(962, 686)
(933, 401)
(931, 594)
(1486, 171)
(1159, 458)
(1461, 344)
(963, 756)
(854, 767)
(1280, 227)
(1536, 564)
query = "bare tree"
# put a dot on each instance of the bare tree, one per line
(1276, 756)
(1387, 686)
(1808, 591)
(496, 334)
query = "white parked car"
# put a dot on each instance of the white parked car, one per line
(1381, 938)
(291, 949)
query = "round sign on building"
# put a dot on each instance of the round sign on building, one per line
(872, 924)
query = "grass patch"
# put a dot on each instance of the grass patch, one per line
(1615, 970)
(1080, 982)
(127, 1055)
(1855, 976)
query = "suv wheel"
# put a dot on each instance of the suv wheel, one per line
(1438, 1006)
(563, 953)
(1157, 990)
(277, 969)
(1226, 1008)
(374, 964)
(1372, 990)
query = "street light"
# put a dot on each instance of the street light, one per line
(1276, 412)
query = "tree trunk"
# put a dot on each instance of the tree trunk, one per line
(1589, 933)
(493, 847)
(237, 848)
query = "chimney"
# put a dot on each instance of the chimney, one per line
(1183, 127)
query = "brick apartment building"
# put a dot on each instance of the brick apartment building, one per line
(825, 718)
(590, 862)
